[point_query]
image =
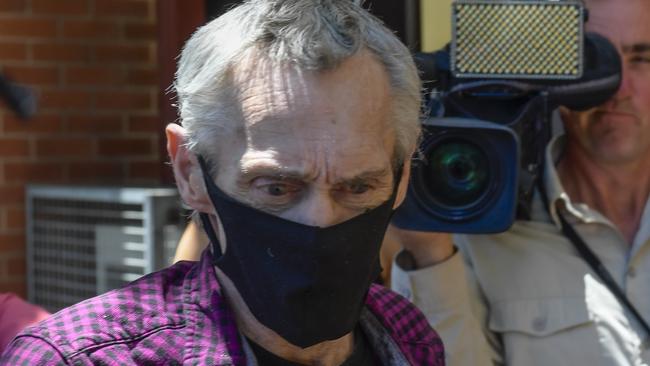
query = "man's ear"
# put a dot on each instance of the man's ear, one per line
(403, 183)
(189, 178)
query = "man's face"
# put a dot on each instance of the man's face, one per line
(313, 148)
(618, 131)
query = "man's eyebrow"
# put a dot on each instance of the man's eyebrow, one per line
(271, 171)
(637, 48)
(282, 173)
(366, 176)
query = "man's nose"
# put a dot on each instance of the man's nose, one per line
(318, 209)
(626, 89)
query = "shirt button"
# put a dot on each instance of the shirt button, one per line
(631, 272)
(539, 323)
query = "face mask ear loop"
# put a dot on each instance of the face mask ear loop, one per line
(205, 219)
(209, 231)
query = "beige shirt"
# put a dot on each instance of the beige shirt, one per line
(525, 297)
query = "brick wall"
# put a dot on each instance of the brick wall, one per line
(93, 65)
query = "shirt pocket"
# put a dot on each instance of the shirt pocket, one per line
(538, 317)
(545, 332)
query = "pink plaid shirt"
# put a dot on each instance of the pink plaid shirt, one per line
(178, 316)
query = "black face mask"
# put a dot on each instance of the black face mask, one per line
(306, 283)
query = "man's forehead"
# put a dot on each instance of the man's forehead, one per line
(268, 91)
(624, 22)
(260, 73)
(301, 118)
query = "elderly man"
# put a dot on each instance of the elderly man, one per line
(298, 119)
(526, 297)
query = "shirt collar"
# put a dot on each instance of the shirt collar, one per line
(557, 197)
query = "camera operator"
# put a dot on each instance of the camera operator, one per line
(526, 297)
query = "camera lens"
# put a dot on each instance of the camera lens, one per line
(457, 173)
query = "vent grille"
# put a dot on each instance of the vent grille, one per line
(83, 241)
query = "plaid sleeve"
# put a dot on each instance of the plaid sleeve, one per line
(31, 351)
(419, 342)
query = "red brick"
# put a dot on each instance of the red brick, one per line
(123, 100)
(13, 6)
(142, 76)
(13, 147)
(68, 147)
(122, 53)
(15, 218)
(33, 75)
(95, 124)
(90, 29)
(145, 170)
(66, 100)
(124, 147)
(140, 31)
(96, 172)
(40, 123)
(122, 8)
(93, 75)
(61, 52)
(33, 173)
(18, 287)
(13, 51)
(11, 195)
(27, 27)
(60, 7)
(17, 266)
(145, 124)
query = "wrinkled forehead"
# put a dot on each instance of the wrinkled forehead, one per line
(262, 83)
(267, 90)
(624, 22)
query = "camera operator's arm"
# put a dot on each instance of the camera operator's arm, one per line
(434, 276)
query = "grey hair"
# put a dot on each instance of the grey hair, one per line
(312, 34)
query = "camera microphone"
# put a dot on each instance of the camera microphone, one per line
(20, 98)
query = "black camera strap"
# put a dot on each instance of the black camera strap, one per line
(597, 266)
(594, 263)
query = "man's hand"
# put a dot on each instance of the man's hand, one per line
(427, 248)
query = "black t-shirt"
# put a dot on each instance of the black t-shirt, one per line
(361, 355)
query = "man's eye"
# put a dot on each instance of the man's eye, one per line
(358, 188)
(277, 189)
(640, 59)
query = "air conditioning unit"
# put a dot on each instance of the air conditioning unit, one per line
(83, 241)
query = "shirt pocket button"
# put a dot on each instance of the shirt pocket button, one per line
(539, 323)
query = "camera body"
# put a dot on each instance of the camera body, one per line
(477, 165)
(490, 95)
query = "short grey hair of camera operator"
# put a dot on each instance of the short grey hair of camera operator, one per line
(311, 34)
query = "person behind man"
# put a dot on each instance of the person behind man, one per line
(15, 315)
(298, 117)
(526, 297)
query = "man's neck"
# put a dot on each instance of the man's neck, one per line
(328, 353)
(618, 191)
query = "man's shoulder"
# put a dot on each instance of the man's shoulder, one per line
(406, 325)
(139, 309)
